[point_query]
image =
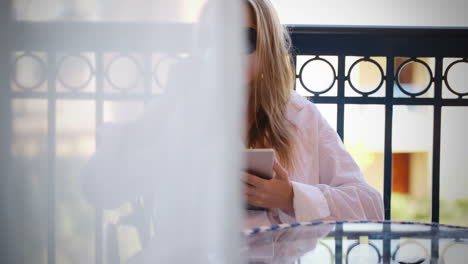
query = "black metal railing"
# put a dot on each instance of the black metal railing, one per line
(391, 43)
(28, 38)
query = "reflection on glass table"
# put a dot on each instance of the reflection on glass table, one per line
(357, 242)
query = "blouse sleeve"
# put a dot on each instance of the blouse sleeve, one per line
(342, 192)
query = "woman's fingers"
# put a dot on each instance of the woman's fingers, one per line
(254, 196)
(251, 191)
(255, 201)
(280, 172)
(254, 180)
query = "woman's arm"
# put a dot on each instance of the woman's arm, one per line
(342, 192)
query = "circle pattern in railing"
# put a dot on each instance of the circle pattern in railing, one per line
(30, 64)
(352, 257)
(450, 254)
(318, 254)
(450, 68)
(162, 69)
(68, 68)
(309, 63)
(400, 69)
(412, 247)
(119, 71)
(374, 63)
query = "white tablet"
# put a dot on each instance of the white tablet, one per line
(260, 162)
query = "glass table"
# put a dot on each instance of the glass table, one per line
(357, 242)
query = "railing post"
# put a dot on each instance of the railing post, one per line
(341, 94)
(339, 243)
(436, 157)
(98, 220)
(389, 81)
(388, 136)
(51, 156)
(436, 140)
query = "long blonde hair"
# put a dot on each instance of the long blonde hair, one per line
(271, 90)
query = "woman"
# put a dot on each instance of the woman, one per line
(316, 178)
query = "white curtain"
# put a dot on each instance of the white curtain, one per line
(183, 150)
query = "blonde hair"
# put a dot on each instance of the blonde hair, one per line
(271, 90)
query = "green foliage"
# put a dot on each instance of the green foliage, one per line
(451, 212)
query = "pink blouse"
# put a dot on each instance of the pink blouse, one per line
(327, 182)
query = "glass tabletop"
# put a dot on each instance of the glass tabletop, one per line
(357, 242)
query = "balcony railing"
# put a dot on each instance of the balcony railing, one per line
(390, 43)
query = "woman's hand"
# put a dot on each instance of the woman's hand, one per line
(274, 193)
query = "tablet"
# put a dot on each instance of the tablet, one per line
(259, 162)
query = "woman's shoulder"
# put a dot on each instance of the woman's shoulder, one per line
(301, 109)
